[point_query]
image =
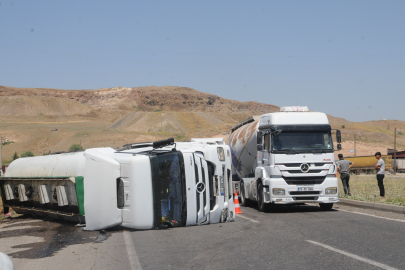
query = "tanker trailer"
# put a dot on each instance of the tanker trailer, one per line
(140, 186)
(285, 158)
(366, 164)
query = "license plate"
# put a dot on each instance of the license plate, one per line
(305, 189)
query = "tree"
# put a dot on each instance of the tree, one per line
(15, 156)
(27, 154)
(75, 148)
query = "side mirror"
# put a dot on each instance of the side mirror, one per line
(338, 136)
(259, 147)
(339, 147)
(259, 137)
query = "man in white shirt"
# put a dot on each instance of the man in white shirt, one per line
(380, 167)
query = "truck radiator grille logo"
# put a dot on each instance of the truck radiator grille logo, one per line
(200, 187)
(304, 167)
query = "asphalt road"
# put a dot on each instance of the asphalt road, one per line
(289, 238)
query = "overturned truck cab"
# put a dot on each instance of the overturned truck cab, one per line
(140, 186)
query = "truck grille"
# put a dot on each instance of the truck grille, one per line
(305, 198)
(299, 171)
(299, 164)
(304, 192)
(315, 180)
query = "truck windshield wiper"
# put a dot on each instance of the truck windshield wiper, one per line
(286, 150)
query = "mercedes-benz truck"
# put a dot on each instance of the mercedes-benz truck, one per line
(285, 158)
(140, 186)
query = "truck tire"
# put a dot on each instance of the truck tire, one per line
(243, 201)
(262, 207)
(326, 206)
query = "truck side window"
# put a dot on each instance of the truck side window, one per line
(267, 142)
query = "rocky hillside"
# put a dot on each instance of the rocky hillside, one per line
(43, 120)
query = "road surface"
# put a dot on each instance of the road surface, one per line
(300, 237)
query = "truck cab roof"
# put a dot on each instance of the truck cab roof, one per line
(293, 118)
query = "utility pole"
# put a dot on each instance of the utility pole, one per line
(395, 152)
(355, 150)
(1, 157)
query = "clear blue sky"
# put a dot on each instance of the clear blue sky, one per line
(345, 58)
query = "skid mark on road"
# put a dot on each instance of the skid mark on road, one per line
(18, 223)
(381, 265)
(10, 244)
(354, 212)
(133, 258)
(18, 228)
(252, 220)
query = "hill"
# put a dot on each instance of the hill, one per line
(50, 120)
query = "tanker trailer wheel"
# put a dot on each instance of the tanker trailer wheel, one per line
(326, 206)
(262, 207)
(243, 201)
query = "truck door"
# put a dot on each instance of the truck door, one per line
(202, 189)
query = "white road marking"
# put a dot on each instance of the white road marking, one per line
(133, 258)
(381, 265)
(18, 228)
(248, 218)
(400, 220)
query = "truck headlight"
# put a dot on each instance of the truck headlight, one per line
(278, 191)
(331, 190)
(221, 153)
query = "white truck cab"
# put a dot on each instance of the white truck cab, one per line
(285, 157)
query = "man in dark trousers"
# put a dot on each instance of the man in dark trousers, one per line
(343, 167)
(380, 167)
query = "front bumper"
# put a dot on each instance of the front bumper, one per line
(291, 196)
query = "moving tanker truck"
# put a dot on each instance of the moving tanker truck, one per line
(139, 186)
(285, 158)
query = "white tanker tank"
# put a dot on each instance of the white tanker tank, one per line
(243, 143)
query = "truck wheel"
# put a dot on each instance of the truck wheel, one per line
(260, 201)
(243, 200)
(326, 206)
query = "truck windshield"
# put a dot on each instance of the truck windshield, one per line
(301, 142)
(168, 181)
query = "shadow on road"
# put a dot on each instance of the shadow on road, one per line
(284, 209)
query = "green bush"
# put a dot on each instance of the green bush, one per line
(27, 154)
(15, 156)
(158, 110)
(400, 133)
(343, 126)
(75, 148)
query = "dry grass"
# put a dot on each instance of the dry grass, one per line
(365, 188)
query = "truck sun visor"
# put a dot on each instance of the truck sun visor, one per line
(163, 143)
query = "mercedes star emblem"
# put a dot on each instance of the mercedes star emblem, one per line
(200, 187)
(304, 167)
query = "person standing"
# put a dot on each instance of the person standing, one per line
(380, 167)
(343, 167)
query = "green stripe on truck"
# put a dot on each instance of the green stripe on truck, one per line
(80, 193)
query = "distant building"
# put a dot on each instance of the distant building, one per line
(400, 154)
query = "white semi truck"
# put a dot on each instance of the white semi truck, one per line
(285, 158)
(140, 186)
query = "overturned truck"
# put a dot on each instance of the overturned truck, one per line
(139, 186)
